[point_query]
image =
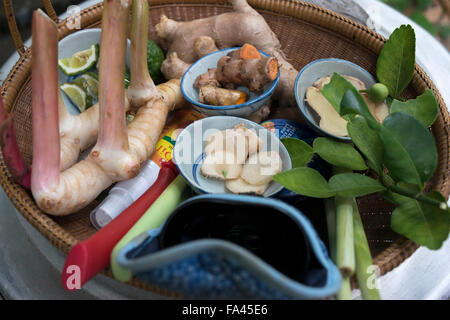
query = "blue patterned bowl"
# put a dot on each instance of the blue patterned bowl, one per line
(188, 152)
(254, 103)
(234, 247)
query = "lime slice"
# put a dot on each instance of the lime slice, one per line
(77, 95)
(80, 61)
(89, 83)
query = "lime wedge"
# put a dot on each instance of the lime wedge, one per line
(77, 95)
(89, 83)
(80, 61)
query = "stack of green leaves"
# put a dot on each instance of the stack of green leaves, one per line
(399, 156)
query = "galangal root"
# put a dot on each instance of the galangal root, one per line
(174, 68)
(61, 186)
(243, 25)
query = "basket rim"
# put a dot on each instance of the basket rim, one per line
(333, 22)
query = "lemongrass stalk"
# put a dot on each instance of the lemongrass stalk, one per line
(142, 87)
(345, 252)
(45, 122)
(345, 292)
(111, 152)
(365, 271)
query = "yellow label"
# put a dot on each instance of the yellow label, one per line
(176, 123)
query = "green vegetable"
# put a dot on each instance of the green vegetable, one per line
(354, 185)
(401, 151)
(353, 104)
(305, 181)
(410, 151)
(395, 64)
(77, 95)
(378, 92)
(427, 224)
(80, 61)
(340, 154)
(334, 91)
(424, 108)
(345, 252)
(301, 152)
(368, 142)
(364, 268)
(155, 57)
(345, 291)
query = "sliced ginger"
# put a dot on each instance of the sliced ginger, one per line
(261, 167)
(227, 151)
(221, 165)
(240, 186)
(330, 120)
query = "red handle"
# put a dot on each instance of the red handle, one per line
(89, 257)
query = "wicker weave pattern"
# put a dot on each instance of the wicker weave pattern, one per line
(307, 32)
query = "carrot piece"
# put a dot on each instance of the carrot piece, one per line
(248, 51)
(272, 69)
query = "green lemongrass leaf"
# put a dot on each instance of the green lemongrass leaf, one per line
(334, 91)
(410, 150)
(368, 142)
(364, 269)
(353, 104)
(340, 154)
(299, 151)
(345, 252)
(424, 108)
(305, 181)
(425, 224)
(354, 185)
(395, 64)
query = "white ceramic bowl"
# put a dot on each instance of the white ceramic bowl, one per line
(188, 152)
(78, 41)
(322, 68)
(254, 101)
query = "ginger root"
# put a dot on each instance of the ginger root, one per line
(174, 68)
(243, 25)
(119, 149)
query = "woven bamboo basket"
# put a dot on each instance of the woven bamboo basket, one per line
(307, 32)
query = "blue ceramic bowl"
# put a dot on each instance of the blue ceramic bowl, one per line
(322, 68)
(188, 152)
(78, 41)
(254, 103)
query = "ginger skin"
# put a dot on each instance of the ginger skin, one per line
(227, 31)
(174, 68)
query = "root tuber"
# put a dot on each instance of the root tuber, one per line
(254, 73)
(204, 45)
(119, 150)
(174, 68)
(243, 25)
(247, 51)
(207, 79)
(221, 97)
